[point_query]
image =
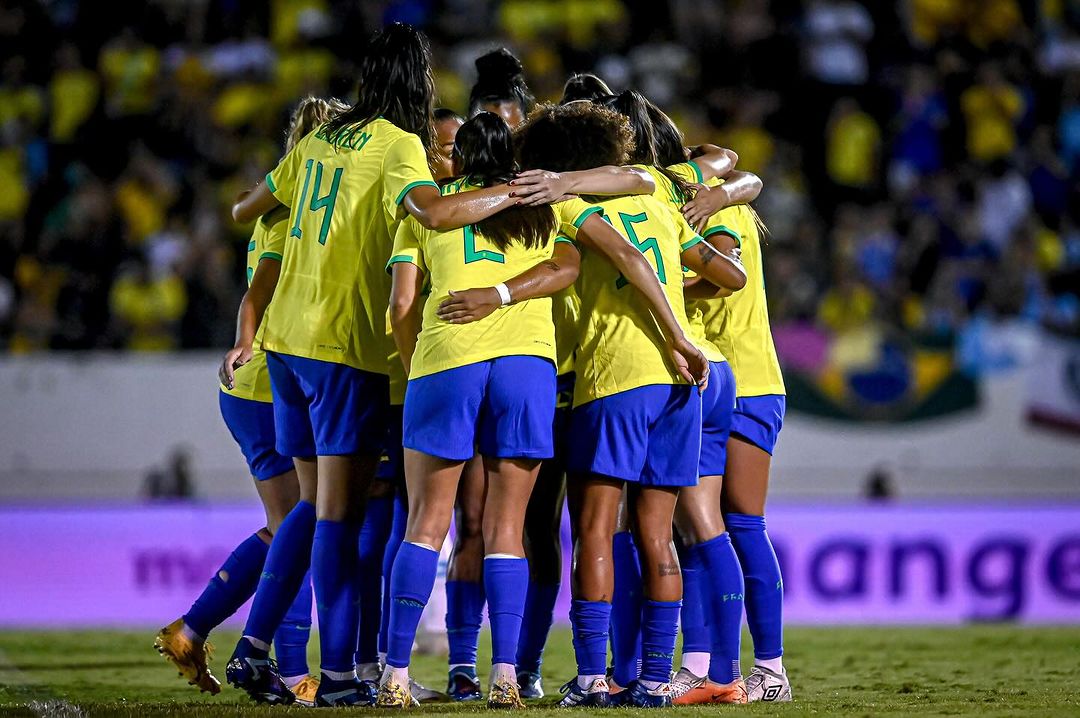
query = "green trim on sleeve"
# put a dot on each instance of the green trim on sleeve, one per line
(565, 240)
(398, 259)
(722, 229)
(586, 214)
(408, 188)
(690, 243)
(270, 184)
(697, 172)
(270, 255)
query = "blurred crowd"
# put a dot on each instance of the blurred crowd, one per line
(920, 157)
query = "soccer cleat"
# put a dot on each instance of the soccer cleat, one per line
(395, 695)
(342, 694)
(189, 657)
(683, 684)
(595, 697)
(423, 694)
(463, 684)
(768, 686)
(530, 685)
(636, 695)
(259, 678)
(306, 690)
(369, 688)
(504, 694)
(613, 687)
(707, 691)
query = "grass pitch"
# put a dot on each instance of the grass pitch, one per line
(866, 671)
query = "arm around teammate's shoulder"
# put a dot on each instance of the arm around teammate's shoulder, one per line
(442, 213)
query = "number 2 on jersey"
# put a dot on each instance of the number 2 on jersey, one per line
(649, 244)
(472, 254)
(317, 203)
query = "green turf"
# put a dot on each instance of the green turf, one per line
(983, 670)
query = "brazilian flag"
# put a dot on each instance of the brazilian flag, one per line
(876, 374)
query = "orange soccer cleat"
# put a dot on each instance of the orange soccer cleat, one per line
(190, 657)
(707, 691)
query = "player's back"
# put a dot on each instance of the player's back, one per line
(621, 344)
(463, 258)
(739, 324)
(343, 189)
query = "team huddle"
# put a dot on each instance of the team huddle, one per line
(478, 320)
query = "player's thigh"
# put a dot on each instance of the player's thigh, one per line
(755, 429)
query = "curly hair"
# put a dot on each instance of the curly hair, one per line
(576, 136)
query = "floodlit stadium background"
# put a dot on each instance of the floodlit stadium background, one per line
(920, 161)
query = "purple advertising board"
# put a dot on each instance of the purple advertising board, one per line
(859, 563)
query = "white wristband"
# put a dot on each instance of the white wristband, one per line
(504, 293)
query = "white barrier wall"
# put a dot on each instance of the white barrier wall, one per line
(92, 426)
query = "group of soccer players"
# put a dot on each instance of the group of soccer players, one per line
(576, 308)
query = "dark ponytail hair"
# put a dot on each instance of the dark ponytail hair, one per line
(484, 151)
(633, 105)
(670, 149)
(670, 145)
(500, 78)
(584, 86)
(395, 83)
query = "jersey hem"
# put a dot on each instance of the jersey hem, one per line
(476, 359)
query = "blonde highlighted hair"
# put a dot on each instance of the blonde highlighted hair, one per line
(309, 114)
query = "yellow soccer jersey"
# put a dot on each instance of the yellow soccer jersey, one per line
(344, 193)
(739, 324)
(621, 345)
(252, 381)
(461, 259)
(668, 193)
(566, 312)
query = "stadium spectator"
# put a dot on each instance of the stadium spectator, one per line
(951, 128)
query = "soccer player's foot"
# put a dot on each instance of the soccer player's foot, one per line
(765, 685)
(595, 696)
(504, 694)
(394, 693)
(189, 656)
(424, 694)
(305, 690)
(637, 695)
(683, 685)
(708, 692)
(613, 687)
(530, 685)
(341, 693)
(370, 688)
(257, 675)
(463, 684)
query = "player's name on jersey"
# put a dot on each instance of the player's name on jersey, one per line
(347, 137)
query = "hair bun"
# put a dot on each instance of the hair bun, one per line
(499, 65)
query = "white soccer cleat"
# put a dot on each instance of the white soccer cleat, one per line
(768, 686)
